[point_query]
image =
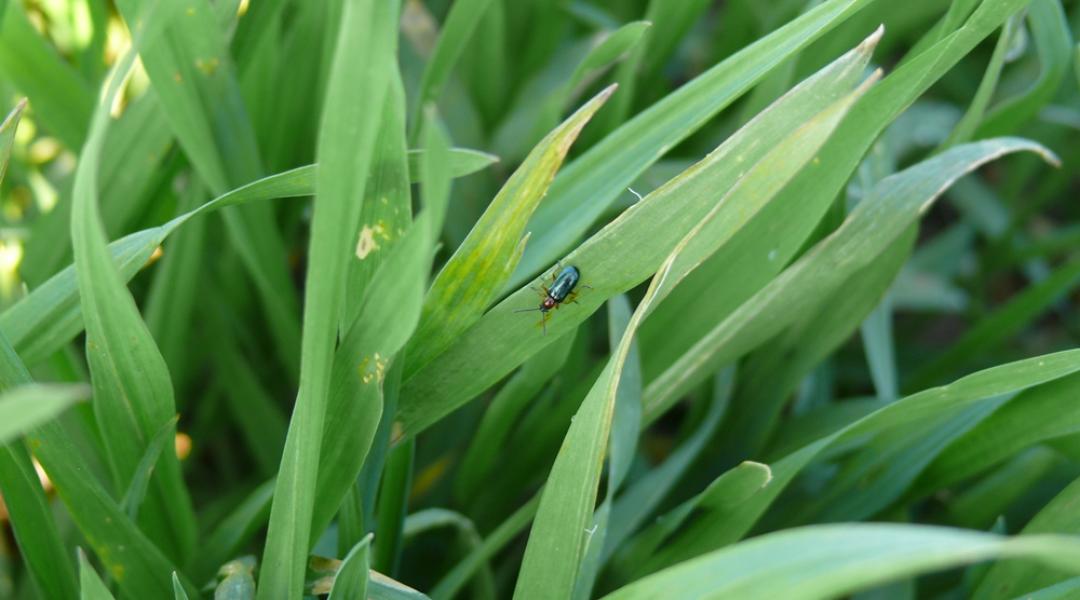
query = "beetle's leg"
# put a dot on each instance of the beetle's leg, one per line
(572, 298)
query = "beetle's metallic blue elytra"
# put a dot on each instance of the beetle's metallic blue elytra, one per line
(561, 290)
(564, 285)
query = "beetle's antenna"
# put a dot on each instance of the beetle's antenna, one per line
(525, 309)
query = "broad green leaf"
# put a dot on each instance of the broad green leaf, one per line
(831, 561)
(750, 168)
(588, 186)
(25, 407)
(133, 395)
(890, 209)
(472, 278)
(345, 147)
(90, 585)
(1050, 32)
(351, 580)
(1018, 578)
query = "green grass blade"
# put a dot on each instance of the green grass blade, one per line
(261, 421)
(751, 166)
(1053, 41)
(773, 372)
(1000, 325)
(178, 588)
(622, 445)
(637, 503)
(174, 293)
(475, 274)
(921, 410)
(49, 317)
(195, 83)
(134, 562)
(894, 204)
(136, 491)
(234, 531)
(351, 580)
(44, 552)
(502, 535)
(133, 394)
(365, 41)
(560, 536)
(1016, 578)
(467, 536)
(590, 184)
(1037, 415)
(7, 135)
(653, 549)
(830, 561)
(24, 408)
(90, 585)
(1062, 591)
(965, 129)
(541, 103)
(61, 100)
(383, 220)
(460, 22)
(503, 413)
(768, 244)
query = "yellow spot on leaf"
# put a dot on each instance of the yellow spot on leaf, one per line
(366, 245)
(209, 66)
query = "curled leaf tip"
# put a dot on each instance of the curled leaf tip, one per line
(761, 467)
(872, 40)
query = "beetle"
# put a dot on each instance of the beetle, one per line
(563, 282)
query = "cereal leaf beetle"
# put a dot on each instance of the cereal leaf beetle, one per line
(563, 282)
